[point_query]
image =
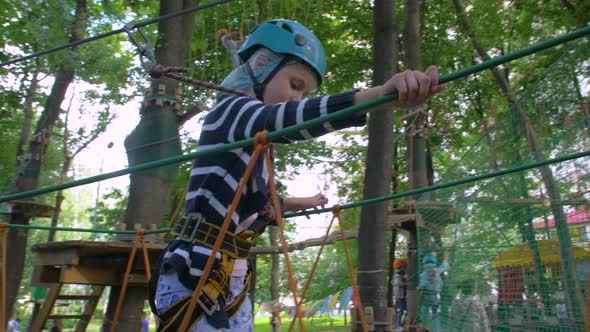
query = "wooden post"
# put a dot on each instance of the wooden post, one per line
(390, 317)
(353, 320)
(370, 315)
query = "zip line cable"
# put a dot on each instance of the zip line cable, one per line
(310, 123)
(129, 26)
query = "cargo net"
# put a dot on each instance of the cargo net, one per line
(517, 245)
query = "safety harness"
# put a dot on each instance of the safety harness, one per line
(196, 230)
(211, 292)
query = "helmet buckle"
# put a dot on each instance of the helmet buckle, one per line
(300, 39)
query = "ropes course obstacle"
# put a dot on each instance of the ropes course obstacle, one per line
(261, 141)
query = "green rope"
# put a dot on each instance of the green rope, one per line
(356, 204)
(450, 183)
(314, 122)
(86, 230)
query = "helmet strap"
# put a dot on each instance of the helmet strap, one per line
(259, 87)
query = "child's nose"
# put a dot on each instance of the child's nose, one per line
(296, 96)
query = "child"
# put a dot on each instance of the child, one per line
(399, 290)
(468, 313)
(283, 63)
(430, 285)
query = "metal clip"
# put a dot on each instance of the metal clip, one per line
(189, 219)
(208, 311)
(146, 50)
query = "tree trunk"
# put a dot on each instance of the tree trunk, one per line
(565, 241)
(416, 147)
(154, 138)
(29, 177)
(59, 197)
(525, 224)
(372, 241)
(28, 110)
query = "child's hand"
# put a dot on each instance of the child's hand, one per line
(304, 203)
(413, 86)
(317, 200)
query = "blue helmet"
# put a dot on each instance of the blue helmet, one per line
(287, 37)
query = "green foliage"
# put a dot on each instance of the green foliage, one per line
(111, 68)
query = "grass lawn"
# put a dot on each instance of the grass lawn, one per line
(262, 324)
(318, 323)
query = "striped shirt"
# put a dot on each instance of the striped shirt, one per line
(214, 178)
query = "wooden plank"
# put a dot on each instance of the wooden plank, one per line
(99, 276)
(70, 316)
(89, 309)
(75, 297)
(62, 256)
(45, 310)
(45, 276)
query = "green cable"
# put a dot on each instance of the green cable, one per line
(450, 183)
(314, 122)
(86, 230)
(360, 203)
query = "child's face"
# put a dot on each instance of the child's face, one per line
(293, 82)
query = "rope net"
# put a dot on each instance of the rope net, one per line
(518, 244)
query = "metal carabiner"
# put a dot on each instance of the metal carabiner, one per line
(145, 48)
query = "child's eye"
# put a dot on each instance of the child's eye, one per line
(296, 85)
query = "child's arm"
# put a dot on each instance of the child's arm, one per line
(303, 203)
(414, 88)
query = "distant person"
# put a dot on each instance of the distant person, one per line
(429, 287)
(57, 327)
(468, 313)
(13, 324)
(144, 323)
(561, 308)
(399, 291)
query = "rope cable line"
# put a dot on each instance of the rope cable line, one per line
(476, 178)
(310, 123)
(130, 25)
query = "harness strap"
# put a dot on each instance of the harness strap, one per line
(216, 289)
(171, 318)
(197, 230)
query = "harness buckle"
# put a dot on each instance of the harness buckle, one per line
(203, 306)
(189, 219)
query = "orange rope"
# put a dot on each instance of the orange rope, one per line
(281, 224)
(313, 268)
(140, 237)
(177, 207)
(3, 309)
(355, 291)
(261, 145)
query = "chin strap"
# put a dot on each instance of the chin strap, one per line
(259, 87)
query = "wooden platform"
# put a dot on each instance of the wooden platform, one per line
(31, 209)
(90, 263)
